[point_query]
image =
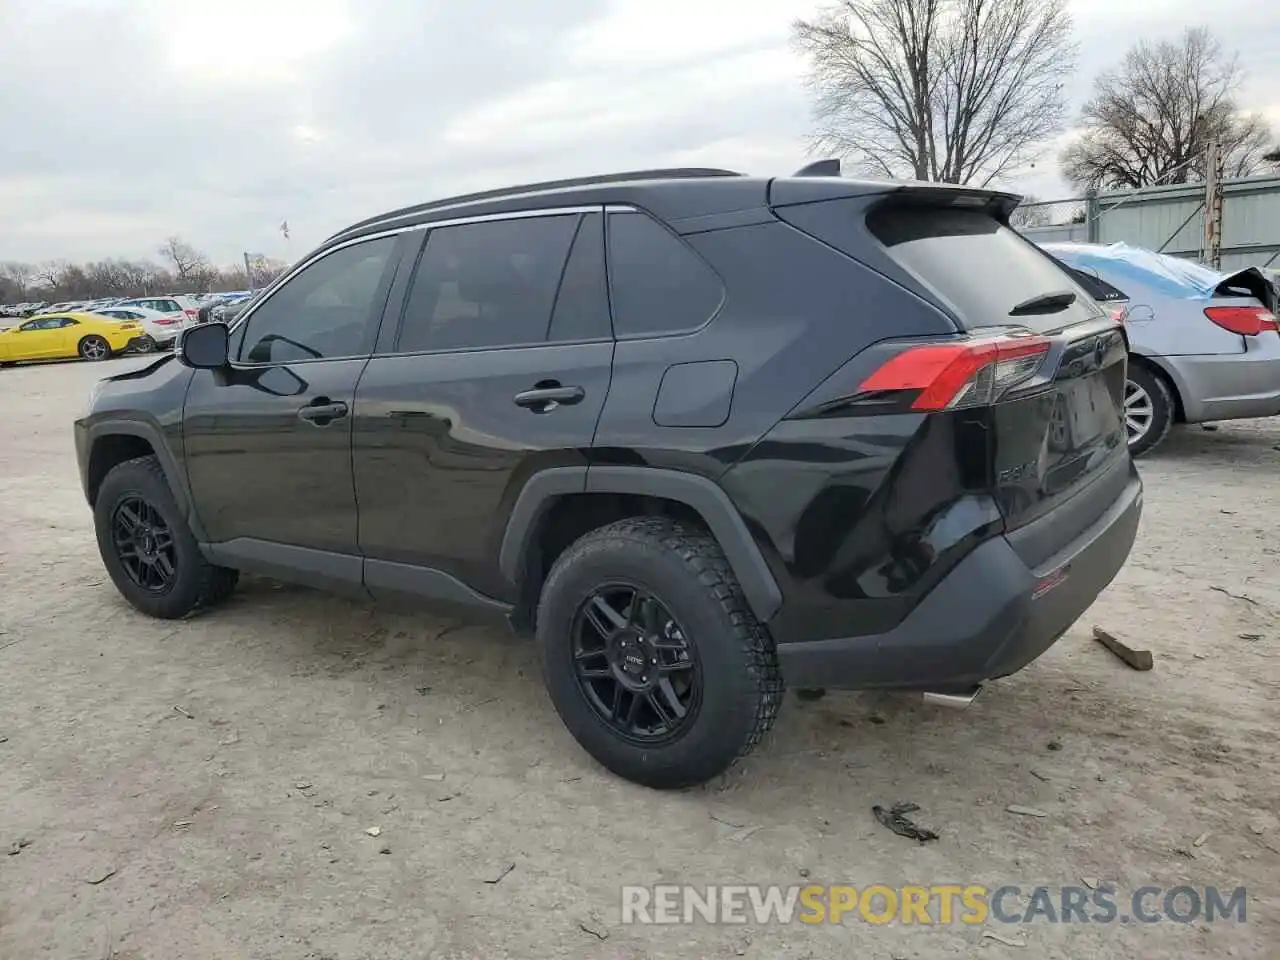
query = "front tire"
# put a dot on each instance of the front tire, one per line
(147, 547)
(1148, 409)
(651, 655)
(94, 348)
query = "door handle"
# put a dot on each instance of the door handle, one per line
(322, 411)
(545, 399)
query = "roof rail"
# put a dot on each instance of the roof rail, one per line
(820, 168)
(671, 173)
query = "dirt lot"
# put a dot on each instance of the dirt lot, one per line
(226, 768)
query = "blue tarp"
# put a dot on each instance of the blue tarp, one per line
(1172, 276)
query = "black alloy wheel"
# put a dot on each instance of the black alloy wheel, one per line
(144, 545)
(635, 665)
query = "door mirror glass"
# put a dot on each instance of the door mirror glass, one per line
(204, 347)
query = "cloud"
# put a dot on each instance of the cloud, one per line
(136, 119)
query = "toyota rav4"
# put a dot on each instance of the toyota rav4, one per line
(699, 433)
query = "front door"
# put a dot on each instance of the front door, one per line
(268, 439)
(38, 339)
(499, 369)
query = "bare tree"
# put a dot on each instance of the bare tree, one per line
(49, 274)
(189, 264)
(960, 91)
(17, 277)
(1031, 213)
(1152, 119)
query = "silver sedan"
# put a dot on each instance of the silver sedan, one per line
(1203, 345)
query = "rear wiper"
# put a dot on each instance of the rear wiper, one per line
(1045, 303)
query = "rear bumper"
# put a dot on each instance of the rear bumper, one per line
(990, 617)
(1234, 386)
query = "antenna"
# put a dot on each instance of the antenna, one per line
(820, 168)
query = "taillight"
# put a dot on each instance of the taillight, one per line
(1246, 321)
(951, 375)
(167, 321)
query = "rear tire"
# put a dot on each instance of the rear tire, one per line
(137, 521)
(715, 657)
(94, 348)
(1148, 409)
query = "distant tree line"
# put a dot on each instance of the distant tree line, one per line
(181, 269)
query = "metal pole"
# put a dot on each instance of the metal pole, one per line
(1093, 229)
(248, 272)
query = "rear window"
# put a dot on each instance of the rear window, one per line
(982, 269)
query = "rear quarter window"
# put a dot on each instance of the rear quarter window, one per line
(658, 285)
(979, 267)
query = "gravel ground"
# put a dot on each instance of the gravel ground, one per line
(221, 773)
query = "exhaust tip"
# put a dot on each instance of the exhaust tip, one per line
(955, 701)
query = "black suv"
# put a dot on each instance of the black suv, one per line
(699, 432)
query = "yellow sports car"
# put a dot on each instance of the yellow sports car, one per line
(57, 335)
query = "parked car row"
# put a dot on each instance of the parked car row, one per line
(98, 329)
(188, 303)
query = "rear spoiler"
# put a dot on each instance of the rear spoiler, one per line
(1249, 282)
(822, 181)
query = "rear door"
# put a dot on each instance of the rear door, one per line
(1050, 439)
(497, 370)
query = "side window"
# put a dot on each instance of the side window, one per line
(582, 305)
(326, 310)
(658, 285)
(68, 322)
(489, 284)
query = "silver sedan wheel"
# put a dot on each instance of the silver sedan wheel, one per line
(1139, 411)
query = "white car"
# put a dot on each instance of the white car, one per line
(161, 328)
(162, 305)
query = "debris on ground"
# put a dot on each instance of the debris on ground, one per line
(385, 848)
(18, 846)
(373, 831)
(184, 711)
(1184, 853)
(1199, 841)
(739, 835)
(183, 823)
(895, 819)
(1243, 636)
(100, 876)
(1138, 659)
(1054, 745)
(1090, 882)
(1235, 596)
(433, 777)
(1025, 811)
(302, 785)
(1007, 941)
(593, 927)
(501, 874)
(1039, 776)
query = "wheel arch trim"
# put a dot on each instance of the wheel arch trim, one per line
(173, 473)
(703, 496)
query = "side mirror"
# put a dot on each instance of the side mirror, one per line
(204, 347)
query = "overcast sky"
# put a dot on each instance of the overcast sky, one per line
(125, 121)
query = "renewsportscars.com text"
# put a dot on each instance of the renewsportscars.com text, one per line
(927, 905)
